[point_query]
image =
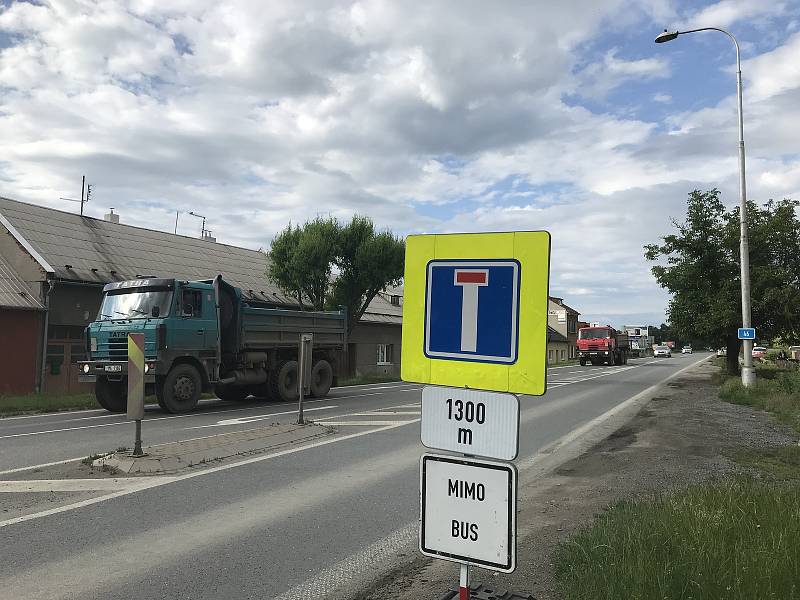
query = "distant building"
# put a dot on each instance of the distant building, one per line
(564, 320)
(53, 266)
(557, 347)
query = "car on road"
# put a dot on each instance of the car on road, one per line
(722, 352)
(664, 351)
(759, 352)
(686, 350)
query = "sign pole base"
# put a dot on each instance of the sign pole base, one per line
(463, 584)
(137, 447)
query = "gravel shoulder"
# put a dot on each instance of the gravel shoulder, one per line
(684, 435)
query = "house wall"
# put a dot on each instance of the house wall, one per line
(23, 263)
(363, 349)
(557, 352)
(565, 322)
(21, 332)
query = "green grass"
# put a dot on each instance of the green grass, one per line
(363, 379)
(733, 540)
(780, 463)
(776, 390)
(40, 403)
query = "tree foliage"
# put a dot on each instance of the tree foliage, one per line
(301, 259)
(699, 265)
(325, 264)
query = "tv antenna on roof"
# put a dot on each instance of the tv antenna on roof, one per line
(86, 193)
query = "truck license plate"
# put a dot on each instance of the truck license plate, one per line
(113, 368)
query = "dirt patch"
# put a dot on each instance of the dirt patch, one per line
(684, 436)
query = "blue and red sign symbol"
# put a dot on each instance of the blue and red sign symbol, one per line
(472, 310)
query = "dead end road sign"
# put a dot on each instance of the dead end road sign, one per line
(475, 310)
(468, 511)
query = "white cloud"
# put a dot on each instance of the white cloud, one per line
(725, 13)
(599, 78)
(429, 117)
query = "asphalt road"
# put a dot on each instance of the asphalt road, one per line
(294, 525)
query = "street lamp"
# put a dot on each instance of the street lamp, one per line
(748, 372)
(202, 229)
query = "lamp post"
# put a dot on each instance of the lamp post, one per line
(748, 372)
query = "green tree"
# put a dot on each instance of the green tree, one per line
(699, 265)
(324, 264)
(368, 261)
(301, 260)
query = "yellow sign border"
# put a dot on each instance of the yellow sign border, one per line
(528, 375)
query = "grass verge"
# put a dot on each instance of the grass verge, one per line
(736, 539)
(362, 379)
(776, 390)
(41, 403)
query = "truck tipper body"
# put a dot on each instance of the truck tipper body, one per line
(202, 336)
(603, 345)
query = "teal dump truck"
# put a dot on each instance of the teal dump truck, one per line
(202, 336)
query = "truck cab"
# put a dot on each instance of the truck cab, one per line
(602, 345)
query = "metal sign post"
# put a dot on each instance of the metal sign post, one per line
(136, 386)
(304, 359)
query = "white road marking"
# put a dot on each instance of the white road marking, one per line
(254, 418)
(371, 560)
(73, 485)
(368, 423)
(41, 466)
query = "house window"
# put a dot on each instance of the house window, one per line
(563, 355)
(572, 326)
(549, 356)
(385, 352)
(395, 300)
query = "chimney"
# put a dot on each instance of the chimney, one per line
(111, 217)
(207, 236)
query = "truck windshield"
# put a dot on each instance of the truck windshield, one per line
(135, 304)
(585, 334)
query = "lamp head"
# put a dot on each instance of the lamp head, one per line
(666, 36)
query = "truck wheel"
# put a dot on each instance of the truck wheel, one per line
(283, 382)
(181, 389)
(111, 395)
(321, 378)
(582, 361)
(231, 393)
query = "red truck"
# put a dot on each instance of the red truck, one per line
(603, 345)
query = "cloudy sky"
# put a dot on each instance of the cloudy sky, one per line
(427, 116)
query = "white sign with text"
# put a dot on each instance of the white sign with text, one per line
(467, 510)
(473, 422)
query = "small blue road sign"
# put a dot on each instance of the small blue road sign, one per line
(747, 333)
(472, 310)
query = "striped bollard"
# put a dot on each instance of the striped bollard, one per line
(136, 386)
